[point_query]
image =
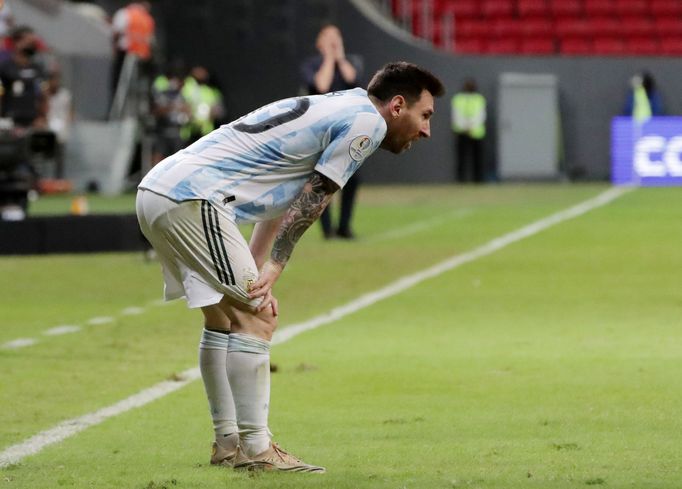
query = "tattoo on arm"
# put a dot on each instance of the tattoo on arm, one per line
(304, 210)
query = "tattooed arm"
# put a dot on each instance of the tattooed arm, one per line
(304, 210)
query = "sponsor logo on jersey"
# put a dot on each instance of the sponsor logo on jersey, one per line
(360, 147)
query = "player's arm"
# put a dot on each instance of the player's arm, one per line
(261, 240)
(303, 211)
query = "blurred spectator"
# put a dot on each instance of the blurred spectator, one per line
(331, 71)
(6, 25)
(468, 123)
(643, 101)
(133, 30)
(171, 112)
(205, 101)
(60, 115)
(23, 99)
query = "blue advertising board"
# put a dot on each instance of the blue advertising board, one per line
(648, 154)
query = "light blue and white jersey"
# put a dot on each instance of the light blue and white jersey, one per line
(257, 164)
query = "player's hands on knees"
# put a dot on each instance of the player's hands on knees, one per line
(263, 286)
(269, 301)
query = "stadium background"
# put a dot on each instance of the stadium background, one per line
(255, 47)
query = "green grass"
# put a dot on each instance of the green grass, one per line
(553, 363)
(49, 205)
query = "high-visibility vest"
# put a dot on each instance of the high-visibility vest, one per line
(201, 99)
(139, 31)
(641, 107)
(470, 107)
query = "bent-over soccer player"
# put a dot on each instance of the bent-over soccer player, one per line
(277, 167)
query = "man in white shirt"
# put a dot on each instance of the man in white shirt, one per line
(277, 167)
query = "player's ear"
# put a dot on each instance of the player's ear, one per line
(397, 104)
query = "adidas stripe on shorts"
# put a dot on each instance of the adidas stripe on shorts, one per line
(202, 252)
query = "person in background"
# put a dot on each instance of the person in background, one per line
(171, 112)
(468, 123)
(133, 30)
(6, 25)
(643, 101)
(331, 70)
(60, 115)
(23, 99)
(205, 102)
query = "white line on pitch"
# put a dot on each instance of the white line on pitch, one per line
(60, 330)
(96, 321)
(66, 429)
(132, 311)
(418, 226)
(18, 343)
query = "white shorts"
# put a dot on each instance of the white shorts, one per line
(202, 252)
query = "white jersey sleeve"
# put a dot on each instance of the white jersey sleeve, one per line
(351, 142)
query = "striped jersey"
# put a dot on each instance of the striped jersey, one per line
(259, 163)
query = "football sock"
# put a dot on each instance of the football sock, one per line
(248, 358)
(213, 366)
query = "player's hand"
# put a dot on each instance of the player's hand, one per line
(269, 301)
(268, 276)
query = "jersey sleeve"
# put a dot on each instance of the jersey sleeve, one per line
(351, 142)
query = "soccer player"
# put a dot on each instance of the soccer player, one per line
(277, 167)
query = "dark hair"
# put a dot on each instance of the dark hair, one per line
(20, 31)
(406, 79)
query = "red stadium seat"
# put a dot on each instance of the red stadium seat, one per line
(572, 27)
(609, 46)
(576, 46)
(637, 26)
(472, 28)
(528, 8)
(604, 26)
(470, 46)
(642, 46)
(537, 27)
(459, 8)
(671, 46)
(506, 28)
(497, 8)
(537, 46)
(632, 7)
(666, 26)
(566, 8)
(599, 7)
(503, 46)
(663, 8)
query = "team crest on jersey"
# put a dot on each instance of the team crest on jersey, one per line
(360, 148)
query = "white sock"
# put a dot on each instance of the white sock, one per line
(213, 366)
(249, 360)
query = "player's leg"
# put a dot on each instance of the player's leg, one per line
(160, 219)
(213, 367)
(347, 202)
(248, 357)
(326, 223)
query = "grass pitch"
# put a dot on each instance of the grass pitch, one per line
(553, 363)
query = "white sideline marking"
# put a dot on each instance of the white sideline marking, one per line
(59, 330)
(132, 311)
(96, 321)
(418, 226)
(66, 429)
(19, 343)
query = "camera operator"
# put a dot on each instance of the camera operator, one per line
(23, 109)
(23, 99)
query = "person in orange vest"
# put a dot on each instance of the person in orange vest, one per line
(133, 33)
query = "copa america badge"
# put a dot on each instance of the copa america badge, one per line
(360, 147)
